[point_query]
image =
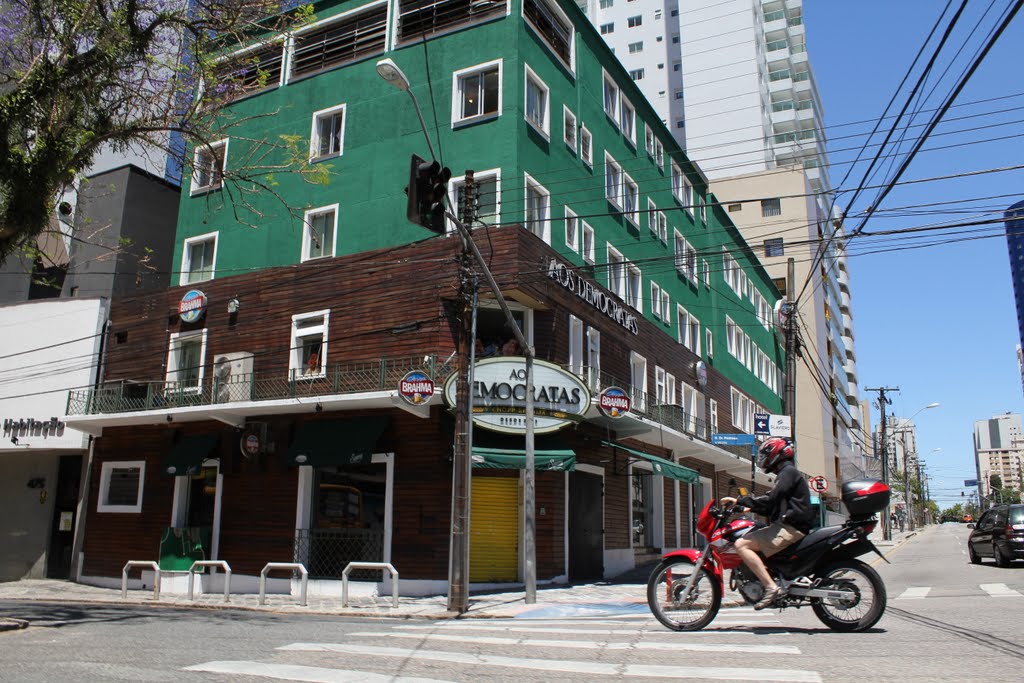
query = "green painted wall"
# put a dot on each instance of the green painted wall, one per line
(382, 130)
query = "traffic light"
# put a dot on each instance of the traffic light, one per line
(427, 191)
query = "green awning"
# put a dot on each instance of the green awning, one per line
(337, 442)
(187, 456)
(515, 459)
(662, 466)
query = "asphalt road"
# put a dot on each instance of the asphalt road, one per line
(946, 620)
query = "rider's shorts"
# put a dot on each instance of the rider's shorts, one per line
(774, 537)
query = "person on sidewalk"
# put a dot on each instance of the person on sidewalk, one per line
(788, 509)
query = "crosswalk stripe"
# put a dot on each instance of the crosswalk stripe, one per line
(914, 592)
(1000, 590)
(592, 645)
(658, 629)
(308, 674)
(579, 667)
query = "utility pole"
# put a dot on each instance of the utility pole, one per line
(789, 391)
(884, 445)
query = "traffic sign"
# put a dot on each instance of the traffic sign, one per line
(970, 482)
(818, 484)
(732, 439)
(761, 423)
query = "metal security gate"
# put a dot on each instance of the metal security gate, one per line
(586, 521)
(494, 530)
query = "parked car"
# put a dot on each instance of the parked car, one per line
(967, 519)
(999, 534)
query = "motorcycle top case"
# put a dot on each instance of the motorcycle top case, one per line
(865, 496)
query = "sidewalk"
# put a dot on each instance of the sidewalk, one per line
(624, 595)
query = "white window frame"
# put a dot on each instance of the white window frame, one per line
(659, 385)
(208, 149)
(594, 358)
(610, 98)
(307, 239)
(480, 176)
(630, 199)
(652, 220)
(655, 300)
(314, 135)
(176, 339)
(638, 389)
(616, 272)
(709, 345)
(186, 257)
(572, 240)
(571, 141)
(586, 146)
(713, 415)
(612, 184)
(742, 411)
(666, 307)
(635, 21)
(662, 220)
(634, 287)
(627, 123)
(458, 77)
(553, 7)
(659, 154)
(635, 47)
(295, 364)
(531, 185)
(649, 140)
(106, 472)
(587, 248)
(575, 345)
(678, 182)
(543, 127)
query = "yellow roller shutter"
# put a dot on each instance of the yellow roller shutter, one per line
(494, 530)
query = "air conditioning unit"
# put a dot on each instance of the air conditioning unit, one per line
(232, 377)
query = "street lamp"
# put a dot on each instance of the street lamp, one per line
(908, 495)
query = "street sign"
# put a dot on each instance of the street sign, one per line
(818, 484)
(970, 482)
(732, 439)
(761, 423)
(780, 425)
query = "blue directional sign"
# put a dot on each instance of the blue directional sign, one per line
(761, 423)
(970, 482)
(732, 439)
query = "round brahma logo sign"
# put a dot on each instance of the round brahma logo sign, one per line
(416, 388)
(192, 306)
(614, 402)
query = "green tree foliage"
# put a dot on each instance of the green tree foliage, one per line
(81, 76)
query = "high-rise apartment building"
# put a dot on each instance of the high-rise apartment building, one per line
(999, 450)
(733, 83)
(1015, 246)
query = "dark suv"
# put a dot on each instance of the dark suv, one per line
(999, 534)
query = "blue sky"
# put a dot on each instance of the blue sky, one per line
(938, 322)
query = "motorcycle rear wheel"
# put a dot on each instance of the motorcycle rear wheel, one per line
(858, 614)
(666, 584)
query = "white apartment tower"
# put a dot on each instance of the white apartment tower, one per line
(999, 449)
(732, 80)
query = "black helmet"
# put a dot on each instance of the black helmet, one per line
(773, 452)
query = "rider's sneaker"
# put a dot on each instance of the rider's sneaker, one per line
(770, 597)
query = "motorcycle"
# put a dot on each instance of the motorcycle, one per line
(821, 570)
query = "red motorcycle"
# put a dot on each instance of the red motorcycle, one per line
(821, 570)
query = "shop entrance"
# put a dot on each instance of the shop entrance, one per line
(62, 528)
(586, 525)
(494, 530)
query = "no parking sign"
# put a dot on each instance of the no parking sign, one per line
(818, 484)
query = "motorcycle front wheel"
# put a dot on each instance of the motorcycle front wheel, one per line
(859, 612)
(664, 592)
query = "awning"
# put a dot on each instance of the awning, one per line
(337, 442)
(188, 454)
(662, 466)
(515, 459)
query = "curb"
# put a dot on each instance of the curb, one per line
(8, 624)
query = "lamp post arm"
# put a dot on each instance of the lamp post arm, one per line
(423, 125)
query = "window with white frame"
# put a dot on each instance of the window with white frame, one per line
(611, 99)
(659, 154)
(486, 207)
(707, 273)
(607, 28)
(634, 287)
(688, 196)
(327, 138)
(249, 71)
(649, 140)
(569, 129)
(593, 359)
(342, 40)
(612, 180)
(587, 243)
(678, 183)
(538, 207)
(605, 4)
(121, 485)
(636, 75)
(586, 146)
(572, 229)
(575, 346)
(709, 343)
(537, 103)
(198, 259)
(685, 257)
(186, 356)
(630, 199)
(652, 221)
(702, 209)
(636, 47)
(659, 386)
(638, 380)
(209, 164)
(633, 22)
(476, 93)
(661, 222)
(616, 272)
(666, 307)
(688, 399)
(688, 328)
(655, 300)
(670, 388)
(742, 411)
(627, 121)
(553, 26)
(320, 232)
(309, 345)
(713, 415)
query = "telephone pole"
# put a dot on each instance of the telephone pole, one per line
(883, 445)
(789, 390)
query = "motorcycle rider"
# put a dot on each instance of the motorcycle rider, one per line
(788, 508)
